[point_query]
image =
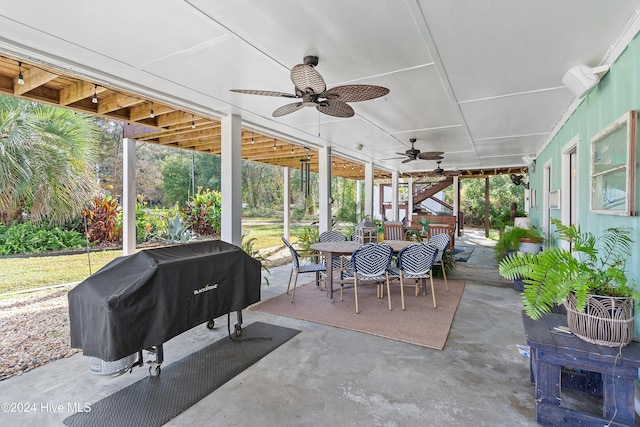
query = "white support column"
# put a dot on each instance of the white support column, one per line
(324, 189)
(231, 180)
(395, 196)
(359, 200)
(368, 190)
(286, 204)
(456, 199)
(128, 196)
(410, 201)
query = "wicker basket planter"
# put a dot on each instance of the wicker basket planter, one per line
(605, 321)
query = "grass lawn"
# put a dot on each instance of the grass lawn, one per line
(17, 274)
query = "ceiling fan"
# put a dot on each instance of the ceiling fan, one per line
(415, 154)
(438, 171)
(519, 180)
(312, 91)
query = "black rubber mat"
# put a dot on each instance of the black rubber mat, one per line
(153, 401)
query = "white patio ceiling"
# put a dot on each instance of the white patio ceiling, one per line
(479, 80)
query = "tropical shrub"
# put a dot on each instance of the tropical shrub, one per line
(202, 212)
(247, 246)
(101, 219)
(26, 237)
(176, 230)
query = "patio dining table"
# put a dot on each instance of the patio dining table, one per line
(337, 249)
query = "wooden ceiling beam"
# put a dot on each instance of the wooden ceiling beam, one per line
(33, 78)
(143, 111)
(77, 91)
(115, 102)
(173, 118)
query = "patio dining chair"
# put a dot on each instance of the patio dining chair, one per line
(301, 268)
(441, 241)
(393, 231)
(338, 263)
(435, 229)
(416, 262)
(371, 263)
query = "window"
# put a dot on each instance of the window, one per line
(613, 154)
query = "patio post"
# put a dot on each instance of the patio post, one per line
(286, 208)
(368, 190)
(395, 176)
(231, 180)
(324, 189)
(128, 196)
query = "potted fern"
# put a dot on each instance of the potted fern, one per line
(591, 281)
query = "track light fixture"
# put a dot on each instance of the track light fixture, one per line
(20, 76)
(193, 123)
(95, 94)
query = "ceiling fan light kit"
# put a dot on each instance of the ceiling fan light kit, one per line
(311, 91)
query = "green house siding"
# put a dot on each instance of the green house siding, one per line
(617, 92)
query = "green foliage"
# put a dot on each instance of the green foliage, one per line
(176, 231)
(510, 240)
(248, 247)
(202, 212)
(48, 157)
(26, 237)
(309, 236)
(448, 263)
(596, 266)
(502, 193)
(101, 219)
(147, 226)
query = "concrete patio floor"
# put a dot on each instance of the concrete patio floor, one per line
(327, 376)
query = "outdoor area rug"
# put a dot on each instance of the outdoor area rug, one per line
(419, 324)
(153, 401)
(462, 253)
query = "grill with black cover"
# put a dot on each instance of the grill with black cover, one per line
(142, 300)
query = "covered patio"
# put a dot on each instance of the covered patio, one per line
(328, 376)
(480, 82)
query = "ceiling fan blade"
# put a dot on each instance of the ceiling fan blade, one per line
(335, 108)
(410, 159)
(264, 93)
(287, 109)
(421, 157)
(356, 93)
(306, 77)
(431, 155)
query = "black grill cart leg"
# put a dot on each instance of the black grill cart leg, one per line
(238, 325)
(154, 366)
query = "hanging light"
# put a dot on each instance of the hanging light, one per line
(274, 144)
(252, 141)
(20, 76)
(292, 152)
(193, 123)
(95, 94)
(151, 115)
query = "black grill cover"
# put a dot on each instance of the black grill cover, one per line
(142, 300)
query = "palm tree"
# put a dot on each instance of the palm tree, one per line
(47, 157)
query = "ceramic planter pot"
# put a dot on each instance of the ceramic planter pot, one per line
(529, 246)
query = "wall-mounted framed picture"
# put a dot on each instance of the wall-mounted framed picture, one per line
(613, 166)
(554, 199)
(532, 198)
